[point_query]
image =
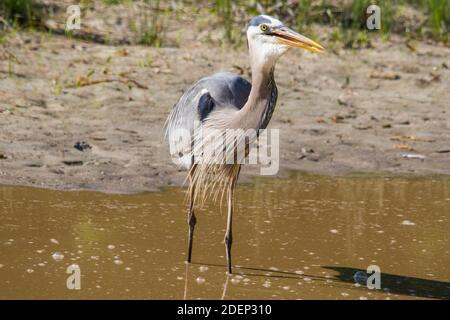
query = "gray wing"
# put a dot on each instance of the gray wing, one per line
(226, 89)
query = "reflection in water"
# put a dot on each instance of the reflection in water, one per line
(298, 238)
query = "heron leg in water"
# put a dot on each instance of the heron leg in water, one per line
(191, 219)
(229, 233)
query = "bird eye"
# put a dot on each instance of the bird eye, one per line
(263, 27)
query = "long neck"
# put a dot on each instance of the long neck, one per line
(257, 111)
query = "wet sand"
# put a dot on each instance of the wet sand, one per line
(305, 237)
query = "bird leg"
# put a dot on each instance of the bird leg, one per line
(191, 222)
(229, 233)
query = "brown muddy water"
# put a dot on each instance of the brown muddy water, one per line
(304, 237)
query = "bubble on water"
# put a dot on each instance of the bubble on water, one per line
(306, 279)
(128, 268)
(58, 256)
(118, 262)
(41, 264)
(200, 280)
(362, 298)
(111, 246)
(286, 288)
(344, 294)
(203, 268)
(40, 251)
(274, 269)
(334, 231)
(267, 284)
(408, 223)
(30, 270)
(299, 272)
(180, 278)
(94, 257)
(235, 281)
(54, 241)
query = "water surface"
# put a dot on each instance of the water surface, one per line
(304, 237)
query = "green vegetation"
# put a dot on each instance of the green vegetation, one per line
(439, 16)
(223, 9)
(22, 12)
(422, 18)
(148, 25)
(349, 17)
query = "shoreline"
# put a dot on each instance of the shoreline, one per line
(244, 179)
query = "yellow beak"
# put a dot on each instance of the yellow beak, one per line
(294, 39)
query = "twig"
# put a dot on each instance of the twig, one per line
(93, 82)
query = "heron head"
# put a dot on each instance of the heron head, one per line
(268, 39)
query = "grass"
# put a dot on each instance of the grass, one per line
(439, 17)
(148, 25)
(21, 12)
(224, 10)
(348, 16)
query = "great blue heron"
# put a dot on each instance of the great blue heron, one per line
(227, 101)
